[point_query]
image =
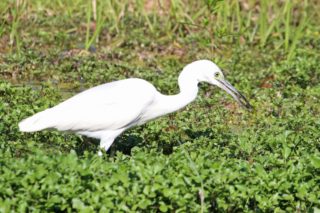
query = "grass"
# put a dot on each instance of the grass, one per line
(98, 23)
(15, 16)
(210, 157)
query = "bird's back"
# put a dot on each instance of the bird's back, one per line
(108, 106)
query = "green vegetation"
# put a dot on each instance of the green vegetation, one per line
(210, 157)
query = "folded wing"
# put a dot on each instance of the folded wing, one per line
(109, 106)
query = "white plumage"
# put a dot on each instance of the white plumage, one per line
(105, 111)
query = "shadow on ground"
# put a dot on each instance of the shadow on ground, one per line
(123, 144)
(126, 142)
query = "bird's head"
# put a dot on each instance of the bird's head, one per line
(207, 71)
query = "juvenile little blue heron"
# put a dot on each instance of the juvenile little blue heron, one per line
(105, 111)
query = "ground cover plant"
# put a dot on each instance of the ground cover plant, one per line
(210, 157)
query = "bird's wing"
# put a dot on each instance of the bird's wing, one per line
(106, 107)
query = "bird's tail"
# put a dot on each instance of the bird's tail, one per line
(35, 123)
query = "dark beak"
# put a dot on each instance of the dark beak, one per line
(224, 84)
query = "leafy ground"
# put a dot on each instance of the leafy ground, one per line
(210, 157)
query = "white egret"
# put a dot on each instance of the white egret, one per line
(105, 111)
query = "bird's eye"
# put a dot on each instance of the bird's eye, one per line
(217, 75)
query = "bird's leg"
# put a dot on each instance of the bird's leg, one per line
(105, 144)
(107, 138)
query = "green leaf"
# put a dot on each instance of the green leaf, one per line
(77, 203)
(315, 161)
(163, 207)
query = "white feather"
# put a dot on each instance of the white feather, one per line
(107, 106)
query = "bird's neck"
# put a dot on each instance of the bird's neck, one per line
(188, 85)
(176, 102)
